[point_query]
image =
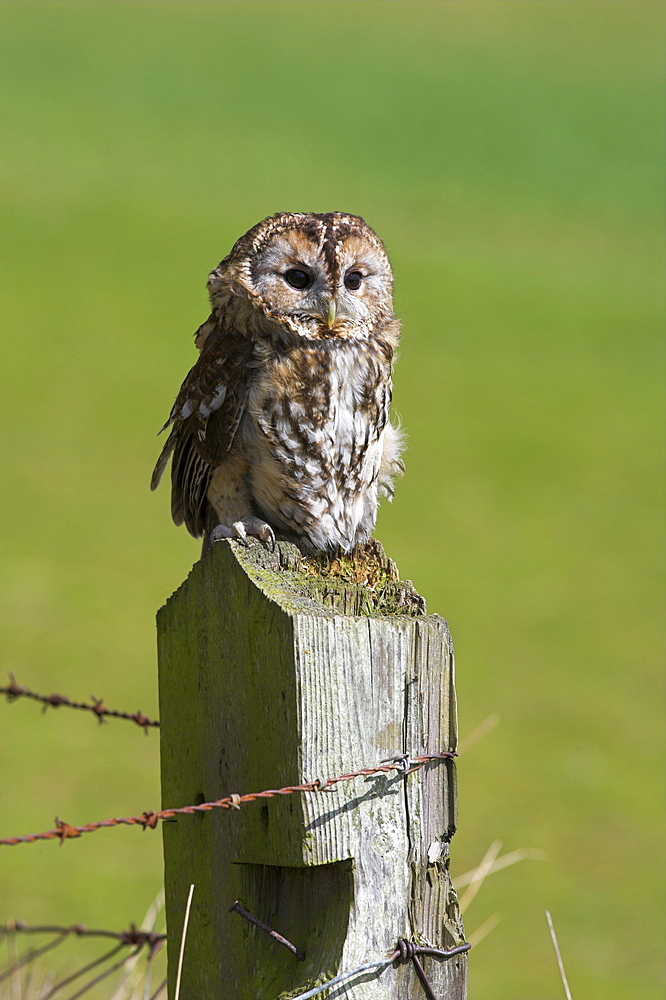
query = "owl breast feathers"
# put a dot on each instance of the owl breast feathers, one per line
(283, 423)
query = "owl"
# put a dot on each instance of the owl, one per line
(283, 424)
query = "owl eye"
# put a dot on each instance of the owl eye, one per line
(353, 280)
(298, 278)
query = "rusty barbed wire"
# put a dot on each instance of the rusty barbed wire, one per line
(131, 938)
(404, 764)
(14, 691)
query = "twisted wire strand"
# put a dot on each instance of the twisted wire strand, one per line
(342, 977)
(405, 951)
(132, 936)
(14, 691)
(149, 819)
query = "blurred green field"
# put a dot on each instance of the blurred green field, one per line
(510, 154)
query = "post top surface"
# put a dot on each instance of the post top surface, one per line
(364, 584)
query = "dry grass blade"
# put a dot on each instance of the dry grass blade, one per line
(147, 981)
(30, 956)
(473, 737)
(15, 977)
(159, 989)
(35, 986)
(38, 984)
(505, 861)
(484, 929)
(57, 987)
(136, 976)
(103, 975)
(182, 942)
(481, 873)
(560, 964)
(134, 981)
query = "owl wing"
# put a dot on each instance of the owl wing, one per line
(204, 419)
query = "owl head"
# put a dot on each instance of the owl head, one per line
(312, 276)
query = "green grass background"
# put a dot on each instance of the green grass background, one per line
(510, 155)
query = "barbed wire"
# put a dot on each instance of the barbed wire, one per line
(405, 951)
(14, 691)
(131, 938)
(403, 763)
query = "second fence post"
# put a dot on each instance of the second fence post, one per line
(276, 671)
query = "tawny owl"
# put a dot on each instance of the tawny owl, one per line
(283, 423)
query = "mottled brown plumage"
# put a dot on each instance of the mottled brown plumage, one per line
(283, 423)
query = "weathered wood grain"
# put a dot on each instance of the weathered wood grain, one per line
(276, 670)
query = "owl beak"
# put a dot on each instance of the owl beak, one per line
(330, 318)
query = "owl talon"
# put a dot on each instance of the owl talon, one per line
(241, 529)
(265, 533)
(219, 533)
(255, 526)
(240, 533)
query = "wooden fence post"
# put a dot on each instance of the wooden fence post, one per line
(275, 671)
